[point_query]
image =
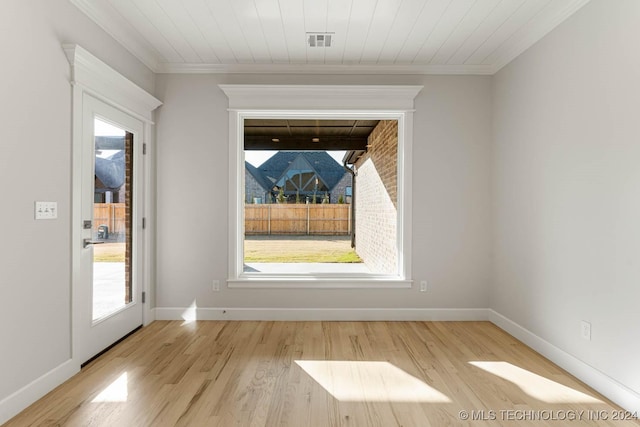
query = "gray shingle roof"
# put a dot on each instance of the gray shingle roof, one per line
(110, 171)
(259, 177)
(325, 166)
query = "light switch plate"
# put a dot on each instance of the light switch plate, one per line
(46, 210)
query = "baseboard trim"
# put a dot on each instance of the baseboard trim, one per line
(604, 384)
(149, 316)
(15, 403)
(326, 314)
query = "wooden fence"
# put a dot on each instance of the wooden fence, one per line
(298, 219)
(110, 214)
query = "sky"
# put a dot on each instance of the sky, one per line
(105, 129)
(101, 128)
(256, 157)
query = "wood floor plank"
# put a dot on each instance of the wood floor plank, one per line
(335, 374)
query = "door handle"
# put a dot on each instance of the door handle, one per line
(88, 242)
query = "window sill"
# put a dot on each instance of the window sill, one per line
(264, 281)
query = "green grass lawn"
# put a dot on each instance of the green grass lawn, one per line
(109, 252)
(319, 250)
(292, 249)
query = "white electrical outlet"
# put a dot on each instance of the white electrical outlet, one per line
(216, 285)
(46, 210)
(423, 286)
(585, 330)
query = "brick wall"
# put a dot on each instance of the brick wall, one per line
(376, 200)
(252, 188)
(340, 188)
(128, 195)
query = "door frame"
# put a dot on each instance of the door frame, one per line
(91, 76)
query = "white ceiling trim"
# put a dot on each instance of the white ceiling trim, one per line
(321, 69)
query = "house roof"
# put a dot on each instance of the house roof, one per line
(259, 177)
(110, 170)
(325, 166)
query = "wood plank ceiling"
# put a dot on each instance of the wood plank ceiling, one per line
(368, 36)
(307, 134)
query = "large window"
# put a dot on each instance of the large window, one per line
(300, 178)
(298, 216)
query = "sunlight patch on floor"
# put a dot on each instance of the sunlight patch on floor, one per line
(190, 315)
(116, 392)
(534, 385)
(365, 381)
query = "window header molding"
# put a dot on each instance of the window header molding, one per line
(347, 97)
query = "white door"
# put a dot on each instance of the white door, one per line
(107, 295)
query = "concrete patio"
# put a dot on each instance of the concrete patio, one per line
(108, 288)
(305, 268)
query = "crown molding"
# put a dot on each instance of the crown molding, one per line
(537, 32)
(117, 29)
(168, 68)
(103, 81)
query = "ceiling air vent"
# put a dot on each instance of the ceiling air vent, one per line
(320, 39)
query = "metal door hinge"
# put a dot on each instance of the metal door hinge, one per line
(144, 148)
(144, 223)
(144, 297)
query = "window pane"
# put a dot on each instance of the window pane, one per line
(301, 203)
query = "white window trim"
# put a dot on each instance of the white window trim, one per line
(319, 102)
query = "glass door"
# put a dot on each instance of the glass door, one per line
(112, 208)
(107, 299)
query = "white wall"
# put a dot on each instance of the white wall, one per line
(35, 164)
(566, 181)
(451, 238)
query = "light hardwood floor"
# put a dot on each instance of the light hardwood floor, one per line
(302, 374)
